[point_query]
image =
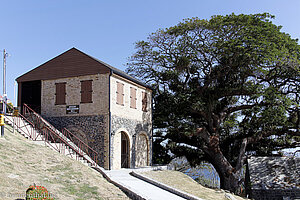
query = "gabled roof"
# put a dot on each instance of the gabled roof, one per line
(73, 63)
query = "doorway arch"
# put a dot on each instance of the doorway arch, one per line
(116, 162)
(125, 150)
(142, 150)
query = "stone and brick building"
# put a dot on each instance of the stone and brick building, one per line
(106, 108)
(274, 178)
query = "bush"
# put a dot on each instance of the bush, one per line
(37, 192)
(9, 108)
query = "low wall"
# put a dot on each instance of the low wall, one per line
(165, 187)
(276, 194)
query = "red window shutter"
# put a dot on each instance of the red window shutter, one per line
(144, 101)
(60, 95)
(120, 93)
(86, 91)
(132, 97)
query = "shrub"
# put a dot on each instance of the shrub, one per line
(37, 192)
(9, 108)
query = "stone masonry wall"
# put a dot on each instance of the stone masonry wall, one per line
(274, 177)
(125, 110)
(132, 128)
(276, 194)
(100, 96)
(91, 124)
(133, 121)
(93, 130)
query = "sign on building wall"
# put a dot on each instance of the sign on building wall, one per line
(72, 109)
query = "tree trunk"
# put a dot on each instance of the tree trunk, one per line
(229, 182)
(229, 179)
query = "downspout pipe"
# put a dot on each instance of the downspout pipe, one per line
(109, 127)
(152, 128)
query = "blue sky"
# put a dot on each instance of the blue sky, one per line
(34, 31)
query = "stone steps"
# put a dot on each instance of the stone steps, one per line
(26, 130)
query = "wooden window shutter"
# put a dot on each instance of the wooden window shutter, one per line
(144, 101)
(120, 93)
(132, 97)
(60, 93)
(86, 91)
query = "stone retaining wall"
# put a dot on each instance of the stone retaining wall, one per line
(276, 194)
(274, 177)
(100, 96)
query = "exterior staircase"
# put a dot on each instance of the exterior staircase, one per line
(34, 127)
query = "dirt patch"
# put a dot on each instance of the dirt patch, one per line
(23, 163)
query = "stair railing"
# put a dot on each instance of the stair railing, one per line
(40, 120)
(27, 129)
(83, 148)
(65, 137)
(34, 130)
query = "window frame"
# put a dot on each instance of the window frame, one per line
(133, 98)
(86, 93)
(120, 97)
(60, 95)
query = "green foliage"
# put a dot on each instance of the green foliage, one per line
(160, 156)
(230, 78)
(10, 107)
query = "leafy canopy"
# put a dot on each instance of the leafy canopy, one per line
(218, 82)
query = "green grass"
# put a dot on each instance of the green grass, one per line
(23, 163)
(83, 191)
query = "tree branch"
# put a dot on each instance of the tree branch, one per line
(242, 155)
(237, 108)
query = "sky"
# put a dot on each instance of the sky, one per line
(34, 31)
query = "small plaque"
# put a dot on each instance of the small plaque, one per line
(72, 109)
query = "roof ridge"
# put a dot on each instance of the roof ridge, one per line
(104, 64)
(117, 71)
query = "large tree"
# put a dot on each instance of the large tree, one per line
(224, 88)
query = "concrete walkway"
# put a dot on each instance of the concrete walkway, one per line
(142, 188)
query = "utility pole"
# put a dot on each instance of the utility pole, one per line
(4, 72)
(4, 94)
(4, 81)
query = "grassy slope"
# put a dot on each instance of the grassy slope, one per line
(23, 163)
(185, 183)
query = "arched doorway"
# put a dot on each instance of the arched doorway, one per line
(142, 151)
(125, 150)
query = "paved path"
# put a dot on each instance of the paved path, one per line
(142, 188)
